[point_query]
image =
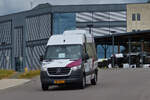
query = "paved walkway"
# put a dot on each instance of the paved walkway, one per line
(7, 83)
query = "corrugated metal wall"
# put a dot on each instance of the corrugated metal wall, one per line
(38, 27)
(5, 40)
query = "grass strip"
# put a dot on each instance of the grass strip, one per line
(6, 73)
(30, 74)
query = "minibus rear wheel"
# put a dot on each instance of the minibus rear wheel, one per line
(94, 80)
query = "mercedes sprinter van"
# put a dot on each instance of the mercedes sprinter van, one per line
(70, 58)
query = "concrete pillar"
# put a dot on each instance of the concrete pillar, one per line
(24, 45)
(12, 48)
(52, 15)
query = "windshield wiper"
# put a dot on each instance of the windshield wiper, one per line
(74, 59)
(48, 59)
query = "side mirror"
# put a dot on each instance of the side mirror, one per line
(41, 58)
(86, 56)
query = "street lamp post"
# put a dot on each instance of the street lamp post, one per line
(90, 26)
(90, 30)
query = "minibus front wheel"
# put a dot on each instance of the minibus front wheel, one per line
(44, 87)
(82, 84)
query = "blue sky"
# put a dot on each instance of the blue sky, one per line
(12, 6)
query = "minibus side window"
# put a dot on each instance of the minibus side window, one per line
(94, 51)
(90, 48)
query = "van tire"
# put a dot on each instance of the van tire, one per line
(44, 87)
(82, 84)
(94, 80)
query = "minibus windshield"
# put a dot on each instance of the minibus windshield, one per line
(72, 52)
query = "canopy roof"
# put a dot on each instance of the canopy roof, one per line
(123, 38)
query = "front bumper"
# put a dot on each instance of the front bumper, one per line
(73, 78)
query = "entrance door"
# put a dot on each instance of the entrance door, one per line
(18, 48)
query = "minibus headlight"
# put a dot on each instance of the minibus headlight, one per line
(76, 68)
(43, 68)
(44, 63)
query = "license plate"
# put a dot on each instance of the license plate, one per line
(59, 81)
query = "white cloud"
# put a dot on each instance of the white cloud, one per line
(12, 6)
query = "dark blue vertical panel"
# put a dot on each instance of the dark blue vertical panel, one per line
(63, 21)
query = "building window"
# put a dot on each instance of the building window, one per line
(133, 17)
(138, 30)
(138, 17)
(133, 30)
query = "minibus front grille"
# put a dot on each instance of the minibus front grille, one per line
(59, 71)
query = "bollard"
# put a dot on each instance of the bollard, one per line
(26, 69)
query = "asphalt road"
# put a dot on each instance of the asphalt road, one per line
(113, 84)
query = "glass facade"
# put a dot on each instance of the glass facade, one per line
(63, 21)
(101, 52)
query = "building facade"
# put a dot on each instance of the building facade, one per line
(24, 35)
(138, 17)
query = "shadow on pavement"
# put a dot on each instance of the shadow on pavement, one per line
(66, 88)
